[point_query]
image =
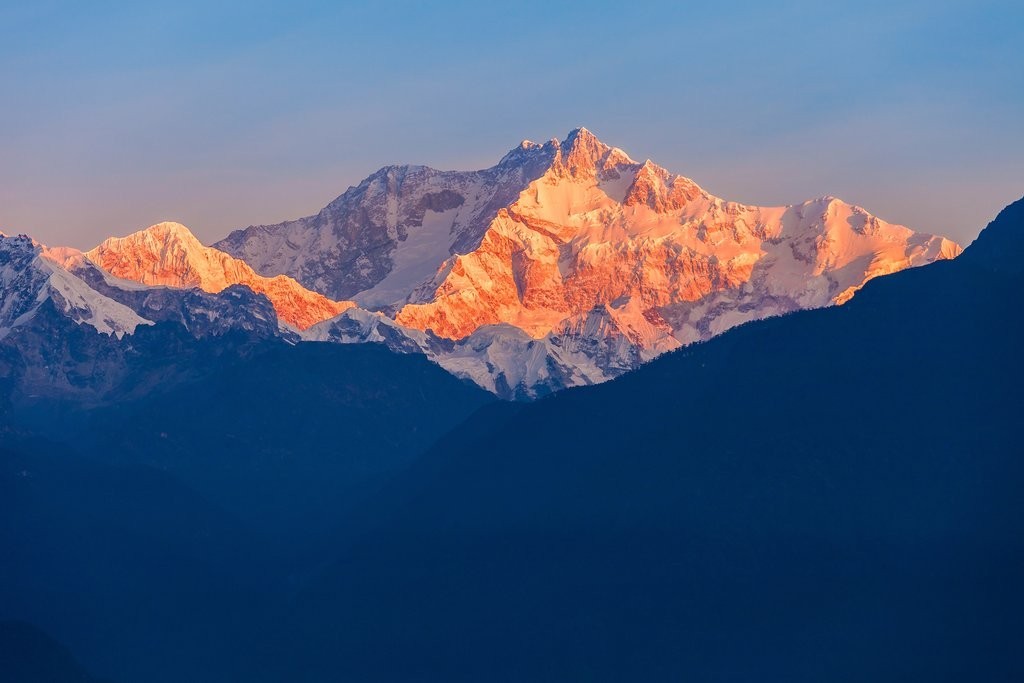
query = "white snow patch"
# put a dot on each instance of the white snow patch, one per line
(416, 260)
(85, 305)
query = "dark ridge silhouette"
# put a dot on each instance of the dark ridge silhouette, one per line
(164, 529)
(998, 248)
(125, 563)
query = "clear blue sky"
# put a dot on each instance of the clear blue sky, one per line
(114, 116)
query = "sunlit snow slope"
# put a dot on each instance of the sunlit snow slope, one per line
(169, 254)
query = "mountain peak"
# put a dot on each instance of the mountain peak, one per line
(581, 144)
(173, 226)
(527, 152)
(583, 154)
(169, 228)
(20, 243)
(169, 254)
(31, 275)
(580, 153)
(160, 235)
(581, 133)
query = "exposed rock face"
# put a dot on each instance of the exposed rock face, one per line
(169, 254)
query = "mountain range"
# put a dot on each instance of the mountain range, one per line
(568, 263)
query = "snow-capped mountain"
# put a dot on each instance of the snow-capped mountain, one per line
(169, 254)
(665, 258)
(602, 261)
(567, 263)
(29, 280)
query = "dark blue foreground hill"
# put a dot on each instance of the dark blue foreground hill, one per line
(124, 565)
(290, 436)
(158, 537)
(829, 496)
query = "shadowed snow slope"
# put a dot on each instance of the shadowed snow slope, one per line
(29, 279)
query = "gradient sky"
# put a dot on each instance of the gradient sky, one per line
(115, 116)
